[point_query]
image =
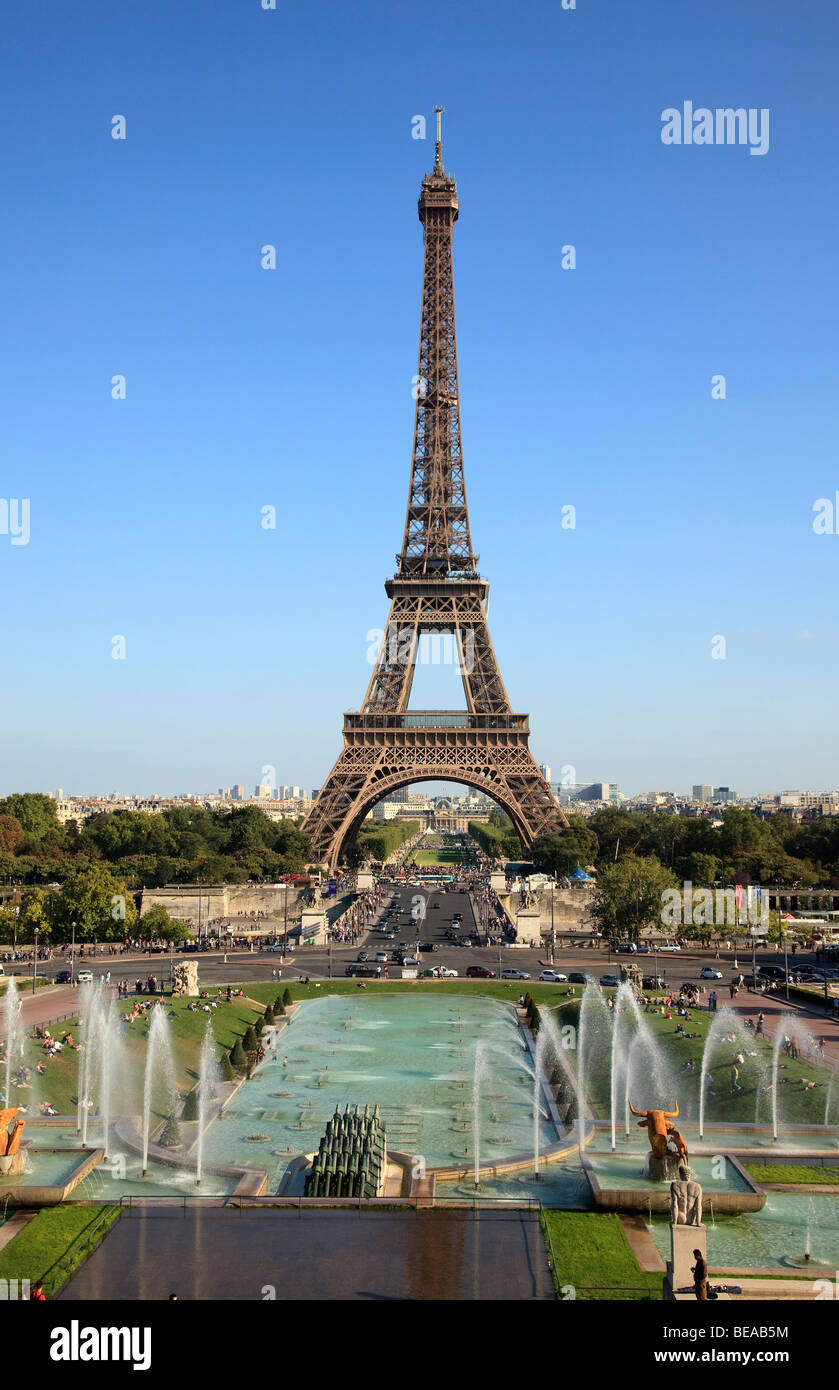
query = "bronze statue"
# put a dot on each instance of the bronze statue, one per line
(658, 1130)
(679, 1143)
(11, 1131)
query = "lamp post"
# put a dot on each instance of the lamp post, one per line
(73, 956)
(35, 964)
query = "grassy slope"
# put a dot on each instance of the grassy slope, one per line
(594, 1257)
(796, 1104)
(52, 1245)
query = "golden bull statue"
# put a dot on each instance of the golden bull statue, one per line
(11, 1131)
(660, 1132)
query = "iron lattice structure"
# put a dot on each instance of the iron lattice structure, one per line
(436, 590)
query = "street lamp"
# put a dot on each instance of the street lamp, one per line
(73, 956)
(35, 964)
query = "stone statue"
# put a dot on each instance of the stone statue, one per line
(185, 978)
(685, 1200)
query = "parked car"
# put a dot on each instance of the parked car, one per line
(643, 948)
(610, 981)
(627, 948)
(553, 977)
(514, 975)
(709, 973)
(480, 972)
(772, 972)
(576, 977)
(669, 946)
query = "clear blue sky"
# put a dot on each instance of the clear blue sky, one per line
(292, 388)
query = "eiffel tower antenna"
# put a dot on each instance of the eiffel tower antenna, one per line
(436, 589)
(438, 148)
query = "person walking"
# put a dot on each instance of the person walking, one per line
(735, 1079)
(700, 1276)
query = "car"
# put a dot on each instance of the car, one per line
(85, 977)
(709, 973)
(668, 946)
(480, 972)
(514, 975)
(627, 948)
(643, 948)
(653, 982)
(381, 957)
(772, 972)
(552, 977)
(429, 946)
(610, 981)
(64, 977)
(279, 948)
(457, 916)
(433, 905)
(445, 973)
(409, 960)
(362, 956)
(576, 977)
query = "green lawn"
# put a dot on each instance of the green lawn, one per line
(59, 1085)
(438, 856)
(794, 1172)
(593, 1257)
(55, 1243)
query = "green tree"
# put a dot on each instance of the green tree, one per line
(238, 1056)
(11, 834)
(35, 812)
(628, 896)
(157, 925)
(98, 903)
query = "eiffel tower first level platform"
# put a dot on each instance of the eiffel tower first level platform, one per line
(436, 589)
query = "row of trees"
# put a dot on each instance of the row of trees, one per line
(377, 840)
(95, 900)
(743, 849)
(183, 844)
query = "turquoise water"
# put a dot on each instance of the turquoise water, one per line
(764, 1238)
(44, 1169)
(614, 1170)
(718, 1138)
(414, 1057)
(560, 1185)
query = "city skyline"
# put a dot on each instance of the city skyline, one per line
(694, 514)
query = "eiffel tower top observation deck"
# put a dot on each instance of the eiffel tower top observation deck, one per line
(436, 589)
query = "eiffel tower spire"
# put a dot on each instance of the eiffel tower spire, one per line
(437, 541)
(436, 590)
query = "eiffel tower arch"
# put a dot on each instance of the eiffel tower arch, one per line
(436, 589)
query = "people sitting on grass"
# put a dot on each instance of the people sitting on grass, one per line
(46, 1108)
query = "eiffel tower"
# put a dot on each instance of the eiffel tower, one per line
(436, 589)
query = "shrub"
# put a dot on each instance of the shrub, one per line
(238, 1056)
(250, 1042)
(190, 1110)
(287, 996)
(225, 1070)
(171, 1136)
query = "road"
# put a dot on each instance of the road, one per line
(322, 963)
